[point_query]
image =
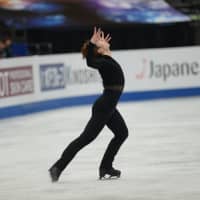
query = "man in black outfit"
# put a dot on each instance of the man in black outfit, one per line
(104, 111)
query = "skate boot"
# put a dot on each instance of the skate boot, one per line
(54, 173)
(109, 173)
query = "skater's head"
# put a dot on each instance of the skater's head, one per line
(100, 41)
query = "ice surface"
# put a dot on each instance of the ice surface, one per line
(159, 161)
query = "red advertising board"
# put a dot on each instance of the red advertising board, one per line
(16, 81)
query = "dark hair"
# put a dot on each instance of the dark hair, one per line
(84, 49)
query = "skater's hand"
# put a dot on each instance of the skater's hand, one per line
(101, 41)
(96, 35)
(107, 38)
(104, 38)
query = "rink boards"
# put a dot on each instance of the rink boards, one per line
(37, 83)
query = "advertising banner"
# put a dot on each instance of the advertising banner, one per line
(160, 69)
(46, 82)
(52, 77)
(16, 81)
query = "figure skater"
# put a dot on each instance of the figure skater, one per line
(104, 112)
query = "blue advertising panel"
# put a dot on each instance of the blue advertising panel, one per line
(52, 77)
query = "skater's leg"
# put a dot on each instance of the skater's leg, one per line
(102, 110)
(91, 131)
(117, 125)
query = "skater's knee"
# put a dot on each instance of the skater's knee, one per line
(123, 134)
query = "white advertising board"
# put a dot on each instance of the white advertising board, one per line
(158, 69)
(27, 80)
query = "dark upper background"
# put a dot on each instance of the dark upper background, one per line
(59, 26)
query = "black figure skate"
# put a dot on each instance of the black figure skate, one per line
(109, 173)
(54, 173)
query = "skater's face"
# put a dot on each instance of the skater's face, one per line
(103, 46)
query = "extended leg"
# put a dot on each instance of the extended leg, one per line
(91, 131)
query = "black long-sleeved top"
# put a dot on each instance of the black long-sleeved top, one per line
(109, 69)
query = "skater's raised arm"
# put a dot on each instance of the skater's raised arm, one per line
(94, 49)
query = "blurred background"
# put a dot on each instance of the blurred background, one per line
(38, 27)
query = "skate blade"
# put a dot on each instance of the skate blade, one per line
(108, 177)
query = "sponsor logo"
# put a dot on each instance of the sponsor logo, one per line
(52, 77)
(16, 81)
(58, 76)
(141, 74)
(82, 76)
(166, 71)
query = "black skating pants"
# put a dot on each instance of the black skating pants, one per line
(104, 112)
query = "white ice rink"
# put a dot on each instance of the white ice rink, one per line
(159, 161)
